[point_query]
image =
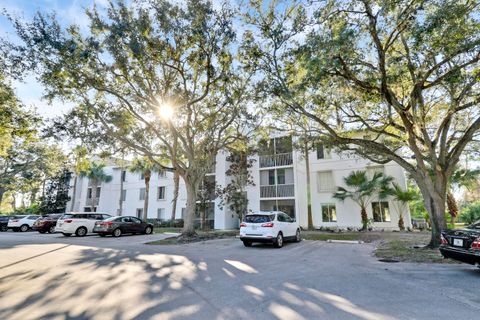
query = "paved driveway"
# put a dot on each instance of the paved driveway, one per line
(51, 277)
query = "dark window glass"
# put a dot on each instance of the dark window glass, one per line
(124, 175)
(98, 192)
(329, 213)
(105, 216)
(271, 177)
(258, 218)
(126, 219)
(280, 176)
(136, 220)
(320, 151)
(381, 212)
(161, 193)
(89, 193)
(280, 217)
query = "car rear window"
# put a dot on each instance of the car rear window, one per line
(259, 218)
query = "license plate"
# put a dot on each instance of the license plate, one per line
(458, 242)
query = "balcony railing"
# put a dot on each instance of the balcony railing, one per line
(277, 191)
(276, 160)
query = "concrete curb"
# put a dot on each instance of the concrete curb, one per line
(346, 241)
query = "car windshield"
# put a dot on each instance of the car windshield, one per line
(18, 217)
(259, 218)
(475, 225)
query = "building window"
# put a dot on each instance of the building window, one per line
(381, 212)
(320, 151)
(271, 177)
(124, 195)
(161, 214)
(98, 192)
(142, 176)
(161, 193)
(124, 175)
(162, 174)
(140, 213)
(325, 182)
(280, 176)
(329, 213)
(371, 170)
(89, 193)
(142, 194)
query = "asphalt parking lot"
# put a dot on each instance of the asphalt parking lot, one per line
(52, 277)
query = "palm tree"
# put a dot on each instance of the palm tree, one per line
(79, 154)
(145, 167)
(402, 199)
(362, 190)
(96, 175)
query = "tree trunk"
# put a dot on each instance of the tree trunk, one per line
(74, 191)
(435, 205)
(192, 189)
(120, 202)
(147, 195)
(309, 196)
(452, 206)
(363, 213)
(2, 192)
(401, 223)
(94, 197)
(176, 184)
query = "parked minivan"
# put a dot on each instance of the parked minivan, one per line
(80, 223)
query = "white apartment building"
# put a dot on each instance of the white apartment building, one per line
(280, 178)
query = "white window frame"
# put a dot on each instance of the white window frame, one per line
(320, 185)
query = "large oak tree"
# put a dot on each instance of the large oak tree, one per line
(158, 76)
(391, 80)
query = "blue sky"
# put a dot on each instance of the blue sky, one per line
(68, 12)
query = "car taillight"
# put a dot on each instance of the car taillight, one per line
(68, 220)
(443, 240)
(267, 225)
(107, 223)
(476, 243)
(14, 220)
(242, 225)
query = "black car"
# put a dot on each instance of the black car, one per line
(47, 223)
(462, 244)
(116, 226)
(4, 223)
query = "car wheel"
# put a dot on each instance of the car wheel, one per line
(51, 229)
(148, 230)
(247, 243)
(66, 234)
(81, 232)
(298, 237)
(24, 228)
(278, 241)
(117, 233)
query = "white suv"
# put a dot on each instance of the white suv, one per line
(79, 223)
(269, 226)
(22, 223)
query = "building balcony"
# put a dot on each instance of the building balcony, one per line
(276, 160)
(277, 191)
